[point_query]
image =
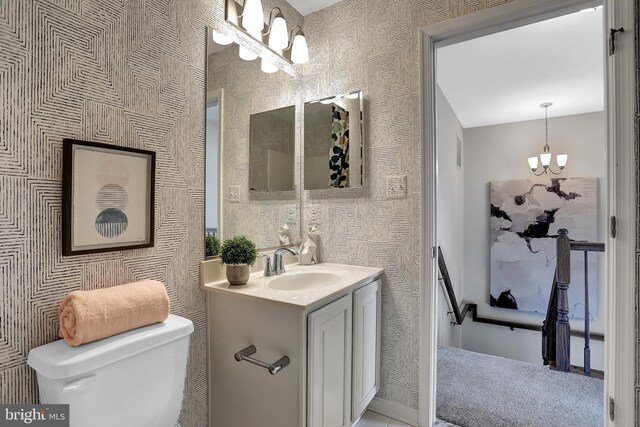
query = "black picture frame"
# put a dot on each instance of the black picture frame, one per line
(69, 246)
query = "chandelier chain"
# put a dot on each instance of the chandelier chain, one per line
(546, 127)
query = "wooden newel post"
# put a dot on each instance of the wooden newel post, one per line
(563, 278)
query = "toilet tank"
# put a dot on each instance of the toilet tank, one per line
(133, 379)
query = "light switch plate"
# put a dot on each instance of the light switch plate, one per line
(396, 186)
(234, 193)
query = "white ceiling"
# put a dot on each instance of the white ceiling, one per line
(306, 7)
(504, 77)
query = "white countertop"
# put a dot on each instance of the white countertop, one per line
(351, 277)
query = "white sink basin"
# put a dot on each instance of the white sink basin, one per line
(302, 281)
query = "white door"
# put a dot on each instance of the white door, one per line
(330, 365)
(366, 347)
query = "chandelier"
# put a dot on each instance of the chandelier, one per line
(545, 156)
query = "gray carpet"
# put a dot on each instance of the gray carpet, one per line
(478, 390)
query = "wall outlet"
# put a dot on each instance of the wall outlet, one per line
(234, 193)
(396, 186)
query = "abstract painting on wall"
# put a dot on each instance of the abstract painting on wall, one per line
(525, 219)
(339, 152)
(107, 197)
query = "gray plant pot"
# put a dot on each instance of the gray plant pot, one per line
(238, 274)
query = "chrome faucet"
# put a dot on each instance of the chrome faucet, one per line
(268, 270)
(277, 267)
(278, 259)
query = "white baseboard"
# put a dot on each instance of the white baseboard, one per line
(394, 410)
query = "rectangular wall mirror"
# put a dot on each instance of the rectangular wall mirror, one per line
(253, 136)
(334, 142)
(272, 145)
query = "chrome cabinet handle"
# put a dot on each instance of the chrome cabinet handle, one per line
(273, 368)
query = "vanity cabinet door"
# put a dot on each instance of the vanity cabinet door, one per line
(366, 346)
(329, 365)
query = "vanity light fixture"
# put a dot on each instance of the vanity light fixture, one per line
(545, 156)
(354, 95)
(277, 48)
(277, 30)
(253, 16)
(267, 66)
(299, 48)
(220, 38)
(246, 53)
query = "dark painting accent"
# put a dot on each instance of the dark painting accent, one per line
(505, 300)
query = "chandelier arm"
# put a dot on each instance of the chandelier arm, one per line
(539, 174)
(555, 173)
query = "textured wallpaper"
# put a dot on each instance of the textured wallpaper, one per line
(132, 72)
(128, 73)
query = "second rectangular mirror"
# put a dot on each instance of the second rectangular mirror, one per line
(272, 149)
(334, 142)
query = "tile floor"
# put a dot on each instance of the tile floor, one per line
(373, 419)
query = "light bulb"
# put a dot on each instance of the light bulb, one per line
(253, 16)
(221, 39)
(267, 66)
(299, 50)
(545, 159)
(533, 163)
(562, 160)
(278, 37)
(246, 54)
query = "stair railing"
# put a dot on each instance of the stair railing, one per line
(556, 350)
(471, 308)
(563, 279)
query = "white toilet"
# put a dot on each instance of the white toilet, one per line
(134, 379)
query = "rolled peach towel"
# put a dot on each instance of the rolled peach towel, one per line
(87, 316)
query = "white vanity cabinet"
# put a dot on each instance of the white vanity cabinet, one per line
(329, 364)
(343, 359)
(366, 347)
(331, 337)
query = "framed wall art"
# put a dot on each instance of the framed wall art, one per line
(525, 219)
(107, 197)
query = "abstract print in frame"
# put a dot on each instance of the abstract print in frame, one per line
(525, 219)
(339, 155)
(107, 197)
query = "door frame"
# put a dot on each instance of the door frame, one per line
(620, 97)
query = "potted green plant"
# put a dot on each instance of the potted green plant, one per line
(238, 253)
(212, 245)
